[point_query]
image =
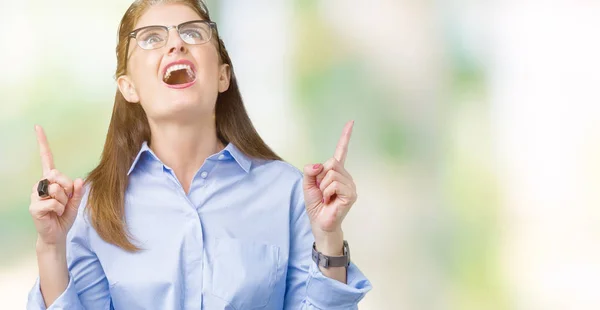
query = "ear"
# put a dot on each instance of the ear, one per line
(224, 77)
(127, 89)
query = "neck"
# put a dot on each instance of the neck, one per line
(184, 146)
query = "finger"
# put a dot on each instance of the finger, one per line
(310, 173)
(45, 153)
(336, 188)
(43, 207)
(342, 147)
(75, 201)
(54, 176)
(57, 192)
(335, 165)
(332, 176)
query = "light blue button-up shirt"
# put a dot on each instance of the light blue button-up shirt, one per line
(241, 239)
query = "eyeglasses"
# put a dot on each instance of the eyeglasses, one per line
(152, 37)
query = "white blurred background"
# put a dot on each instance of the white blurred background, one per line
(475, 152)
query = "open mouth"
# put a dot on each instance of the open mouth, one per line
(179, 74)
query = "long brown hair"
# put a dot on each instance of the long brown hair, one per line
(129, 128)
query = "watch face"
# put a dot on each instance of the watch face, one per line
(347, 251)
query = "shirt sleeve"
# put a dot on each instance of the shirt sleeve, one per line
(306, 287)
(88, 287)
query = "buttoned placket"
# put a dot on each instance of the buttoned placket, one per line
(200, 180)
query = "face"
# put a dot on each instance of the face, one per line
(176, 80)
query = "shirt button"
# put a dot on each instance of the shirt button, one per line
(204, 174)
(221, 157)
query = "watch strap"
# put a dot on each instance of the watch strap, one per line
(331, 261)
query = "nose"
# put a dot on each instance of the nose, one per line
(175, 43)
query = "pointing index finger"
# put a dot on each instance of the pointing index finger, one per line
(45, 153)
(342, 147)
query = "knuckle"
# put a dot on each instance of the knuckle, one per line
(55, 204)
(50, 203)
(36, 207)
(330, 175)
(54, 173)
(320, 178)
(53, 188)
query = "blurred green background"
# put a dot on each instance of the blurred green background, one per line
(474, 156)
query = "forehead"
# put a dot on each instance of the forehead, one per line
(167, 15)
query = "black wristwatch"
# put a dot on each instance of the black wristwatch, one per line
(331, 261)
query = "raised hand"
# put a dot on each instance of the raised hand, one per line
(54, 215)
(329, 191)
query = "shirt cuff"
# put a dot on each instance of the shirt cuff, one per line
(327, 293)
(67, 300)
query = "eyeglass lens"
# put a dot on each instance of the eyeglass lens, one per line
(191, 33)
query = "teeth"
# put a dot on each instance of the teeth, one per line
(178, 67)
(190, 73)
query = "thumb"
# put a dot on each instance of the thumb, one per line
(310, 175)
(73, 204)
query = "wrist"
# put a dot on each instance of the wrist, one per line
(55, 249)
(330, 243)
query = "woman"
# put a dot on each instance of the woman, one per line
(189, 208)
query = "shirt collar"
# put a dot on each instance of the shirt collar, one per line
(244, 161)
(145, 148)
(230, 150)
